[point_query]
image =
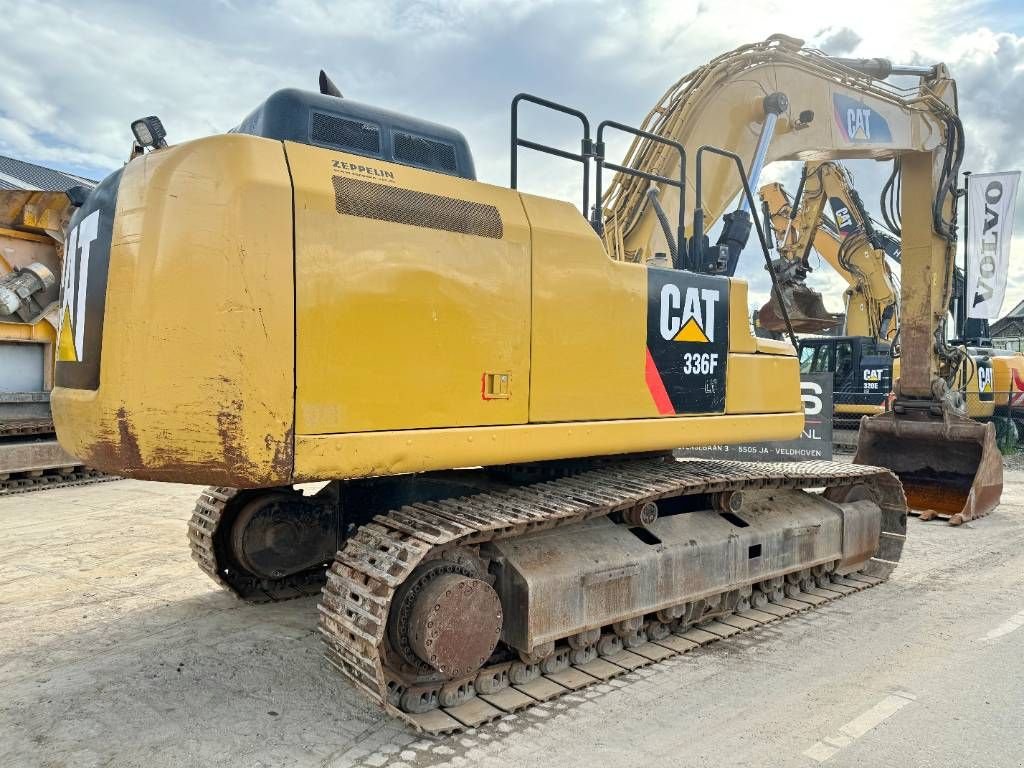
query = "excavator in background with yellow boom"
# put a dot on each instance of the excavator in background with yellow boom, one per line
(848, 242)
(32, 225)
(327, 293)
(861, 356)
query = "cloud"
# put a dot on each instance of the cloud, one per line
(839, 42)
(71, 87)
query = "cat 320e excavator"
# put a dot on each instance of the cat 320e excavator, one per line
(327, 293)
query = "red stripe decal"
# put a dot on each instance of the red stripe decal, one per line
(657, 387)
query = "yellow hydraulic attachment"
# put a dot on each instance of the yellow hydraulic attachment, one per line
(850, 243)
(926, 439)
(845, 242)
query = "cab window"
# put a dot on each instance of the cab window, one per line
(844, 359)
(806, 359)
(823, 359)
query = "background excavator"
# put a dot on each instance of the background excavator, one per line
(32, 222)
(328, 293)
(860, 355)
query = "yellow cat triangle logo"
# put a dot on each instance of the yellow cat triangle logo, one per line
(65, 339)
(691, 331)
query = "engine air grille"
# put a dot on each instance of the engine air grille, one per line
(345, 133)
(428, 153)
(420, 209)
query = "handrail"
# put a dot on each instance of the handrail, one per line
(698, 226)
(586, 145)
(679, 183)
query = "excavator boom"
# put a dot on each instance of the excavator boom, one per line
(920, 131)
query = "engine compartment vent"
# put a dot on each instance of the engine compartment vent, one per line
(420, 209)
(344, 133)
(426, 153)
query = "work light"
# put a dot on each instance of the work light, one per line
(149, 132)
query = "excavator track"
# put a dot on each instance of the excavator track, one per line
(42, 479)
(211, 509)
(22, 427)
(371, 568)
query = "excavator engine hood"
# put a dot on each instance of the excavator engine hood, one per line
(949, 468)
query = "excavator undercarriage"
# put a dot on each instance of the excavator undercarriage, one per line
(488, 596)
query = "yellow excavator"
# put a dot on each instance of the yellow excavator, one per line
(32, 222)
(848, 242)
(862, 356)
(328, 293)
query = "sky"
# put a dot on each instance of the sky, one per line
(76, 74)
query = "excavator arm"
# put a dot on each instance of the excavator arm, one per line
(778, 101)
(848, 242)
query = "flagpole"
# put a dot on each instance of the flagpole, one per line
(963, 290)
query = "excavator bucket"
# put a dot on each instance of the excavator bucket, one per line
(807, 311)
(950, 468)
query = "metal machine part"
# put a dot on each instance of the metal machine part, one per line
(950, 466)
(950, 469)
(846, 242)
(581, 595)
(438, 603)
(563, 582)
(22, 292)
(31, 257)
(775, 104)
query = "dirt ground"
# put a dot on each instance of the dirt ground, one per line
(116, 651)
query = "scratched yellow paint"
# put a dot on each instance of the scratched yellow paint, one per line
(196, 380)
(212, 374)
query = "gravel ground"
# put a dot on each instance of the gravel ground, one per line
(116, 651)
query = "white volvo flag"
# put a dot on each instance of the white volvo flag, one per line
(990, 202)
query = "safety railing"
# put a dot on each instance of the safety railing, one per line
(676, 244)
(698, 226)
(584, 157)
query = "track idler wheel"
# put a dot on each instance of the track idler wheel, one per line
(264, 544)
(279, 533)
